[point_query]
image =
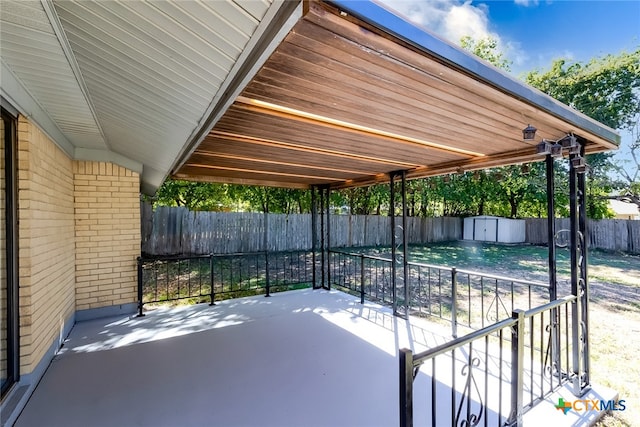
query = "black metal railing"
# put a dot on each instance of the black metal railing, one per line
(462, 297)
(216, 276)
(491, 376)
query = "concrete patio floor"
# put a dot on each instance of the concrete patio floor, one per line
(299, 358)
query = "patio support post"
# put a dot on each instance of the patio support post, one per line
(405, 245)
(551, 242)
(406, 388)
(392, 214)
(266, 247)
(584, 277)
(399, 258)
(328, 201)
(551, 227)
(211, 281)
(314, 235)
(579, 283)
(362, 279)
(322, 235)
(140, 313)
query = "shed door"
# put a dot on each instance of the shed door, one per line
(485, 229)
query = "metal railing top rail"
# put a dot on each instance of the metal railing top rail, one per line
(508, 279)
(148, 258)
(420, 358)
(354, 254)
(445, 268)
(144, 258)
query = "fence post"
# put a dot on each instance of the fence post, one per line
(517, 356)
(406, 388)
(361, 279)
(213, 292)
(454, 303)
(140, 313)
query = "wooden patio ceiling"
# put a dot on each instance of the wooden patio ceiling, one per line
(342, 102)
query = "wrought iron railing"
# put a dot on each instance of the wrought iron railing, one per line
(462, 297)
(491, 376)
(213, 277)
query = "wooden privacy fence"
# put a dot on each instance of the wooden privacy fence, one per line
(608, 234)
(178, 231)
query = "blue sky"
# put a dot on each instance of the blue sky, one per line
(532, 33)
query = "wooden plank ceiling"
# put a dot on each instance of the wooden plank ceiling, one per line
(341, 103)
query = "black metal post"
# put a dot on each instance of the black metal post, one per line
(328, 198)
(454, 303)
(551, 228)
(140, 303)
(211, 281)
(406, 388)
(362, 279)
(576, 314)
(405, 245)
(517, 367)
(266, 250)
(314, 235)
(553, 278)
(583, 280)
(392, 214)
(322, 236)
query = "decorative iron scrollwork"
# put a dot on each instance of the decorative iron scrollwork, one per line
(471, 387)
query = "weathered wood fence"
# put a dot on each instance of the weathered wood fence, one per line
(177, 231)
(608, 234)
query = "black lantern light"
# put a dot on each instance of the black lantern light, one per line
(529, 133)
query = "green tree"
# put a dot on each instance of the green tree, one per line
(487, 49)
(608, 90)
(192, 195)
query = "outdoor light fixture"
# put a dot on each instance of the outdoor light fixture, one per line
(529, 133)
(555, 148)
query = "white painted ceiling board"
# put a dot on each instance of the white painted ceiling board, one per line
(32, 50)
(152, 68)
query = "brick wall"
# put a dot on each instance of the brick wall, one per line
(46, 242)
(79, 236)
(107, 227)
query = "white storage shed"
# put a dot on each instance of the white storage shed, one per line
(494, 229)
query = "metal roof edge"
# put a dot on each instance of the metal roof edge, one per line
(384, 19)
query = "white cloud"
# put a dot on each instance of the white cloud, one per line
(449, 19)
(453, 19)
(526, 3)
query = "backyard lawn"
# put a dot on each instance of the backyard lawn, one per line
(615, 304)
